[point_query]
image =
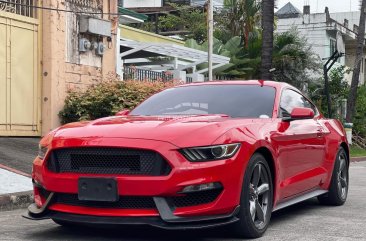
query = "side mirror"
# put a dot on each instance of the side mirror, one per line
(122, 112)
(300, 113)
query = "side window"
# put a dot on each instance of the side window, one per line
(291, 99)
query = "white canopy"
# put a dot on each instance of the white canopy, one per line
(138, 53)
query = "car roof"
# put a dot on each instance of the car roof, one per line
(277, 85)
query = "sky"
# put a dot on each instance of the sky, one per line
(317, 6)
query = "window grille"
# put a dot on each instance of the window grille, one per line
(20, 7)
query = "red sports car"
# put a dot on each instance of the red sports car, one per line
(194, 156)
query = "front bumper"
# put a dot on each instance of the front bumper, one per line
(167, 219)
(160, 188)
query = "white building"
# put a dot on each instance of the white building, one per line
(321, 29)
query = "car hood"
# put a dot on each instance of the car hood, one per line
(178, 130)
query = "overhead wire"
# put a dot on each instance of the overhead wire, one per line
(58, 9)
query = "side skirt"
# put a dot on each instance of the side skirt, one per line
(299, 199)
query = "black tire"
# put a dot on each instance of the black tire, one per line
(338, 189)
(249, 226)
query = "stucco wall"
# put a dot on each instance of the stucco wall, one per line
(64, 68)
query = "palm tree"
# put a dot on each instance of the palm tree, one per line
(240, 18)
(293, 58)
(235, 12)
(267, 38)
(356, 72)
(251, 18)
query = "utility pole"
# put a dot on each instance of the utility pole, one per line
(351, 101)
(210, 38)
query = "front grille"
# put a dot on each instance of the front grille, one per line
(124, 202)
(196, 198)
(108, 161)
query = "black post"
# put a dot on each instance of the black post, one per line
(336, 55)
(327, 94)
(157, 23)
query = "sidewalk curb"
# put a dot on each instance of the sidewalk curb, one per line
(358, 159)
(17, 200)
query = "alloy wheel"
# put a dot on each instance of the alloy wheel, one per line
(342, 176)
(259, 195)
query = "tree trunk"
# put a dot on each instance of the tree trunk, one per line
(351, 103)
(246, 35)
(267, 38)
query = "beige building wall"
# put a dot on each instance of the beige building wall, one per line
(63, 67)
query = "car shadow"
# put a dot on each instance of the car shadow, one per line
(144, 233)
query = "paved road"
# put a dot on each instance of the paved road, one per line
(305, 221)
(18, 153)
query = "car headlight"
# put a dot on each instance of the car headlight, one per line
(210, 153)
(42, 150)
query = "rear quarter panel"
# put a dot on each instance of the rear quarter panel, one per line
(335, 135)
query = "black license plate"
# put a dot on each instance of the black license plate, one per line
(98, 189)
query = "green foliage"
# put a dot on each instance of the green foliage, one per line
(359, 120)
(338, 90)
(237, 68)
(237, 18)
(187, 21)
(106, 99)
(357, 152)
(293, 59)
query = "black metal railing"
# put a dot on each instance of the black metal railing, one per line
(220, 77)
(133, 73)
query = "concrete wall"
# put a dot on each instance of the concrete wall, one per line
(319, 33)
(313, 28)
(64, 68)
(350, 62)
(353, 18)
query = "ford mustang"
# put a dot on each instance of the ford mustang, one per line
(195, 156)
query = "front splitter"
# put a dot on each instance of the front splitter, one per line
(157, 222)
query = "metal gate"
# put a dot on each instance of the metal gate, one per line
(20, 81)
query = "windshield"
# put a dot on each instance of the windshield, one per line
(248, 101)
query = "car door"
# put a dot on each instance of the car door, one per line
(301, 147)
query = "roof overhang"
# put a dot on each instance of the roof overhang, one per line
(135, 49)
(128, 16)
